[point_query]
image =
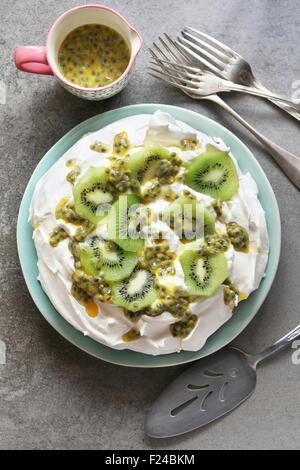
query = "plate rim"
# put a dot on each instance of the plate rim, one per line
(143, 108)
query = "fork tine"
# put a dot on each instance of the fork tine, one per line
(174, 73)
(166, 57)
(187, 76)
(160, 51)
(176, 84)
(167, 74)
(223, 57)
(168, 49)
(204, 53)
(182, 54)
(181, 66)
(154, 56)
(159, 60)
(190, 72)
(215, 42)
(198, 57)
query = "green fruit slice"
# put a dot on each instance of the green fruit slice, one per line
(90, 193)
(115, 264)
(214, 173)
(135, 292)
(121, 223)
(145, 163)
(191, 215)
(203, 274)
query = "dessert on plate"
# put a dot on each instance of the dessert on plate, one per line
(148, 235)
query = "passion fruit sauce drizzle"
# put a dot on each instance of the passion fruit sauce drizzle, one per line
(231, 293)
(98, 146)
(217, 206)
(86, 286)
(57, 235)
(188, 144)
(75, 170)
(65, 210)
(239, 237)
(158, 257)
(121, 144)
(131, 335)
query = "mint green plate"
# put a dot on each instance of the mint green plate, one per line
(245, 311)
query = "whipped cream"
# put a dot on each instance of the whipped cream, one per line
(56, 265)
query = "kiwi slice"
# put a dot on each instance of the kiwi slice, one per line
(90, 193)
(178, 212)
(135, 292)
(121, 223)
(203, 274)
(97, 255)
(213, 173)
(144, 164)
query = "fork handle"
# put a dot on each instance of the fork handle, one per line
(264, 93)
(288, 162)
(288, 109)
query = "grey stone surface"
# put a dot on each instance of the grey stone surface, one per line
(52, 395)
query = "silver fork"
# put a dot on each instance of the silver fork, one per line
(204, 83)
(228, 64)
(172, 56)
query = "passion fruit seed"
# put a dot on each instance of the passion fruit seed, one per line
(66, 212)
(98, 146)
(168, 169)
(218, 208)
(214, 244)
(238, 236)
(73, 174)
(188, 193)
(188, 144)
(57, 235)
(86, 286)
(182, 328)
(231, 292)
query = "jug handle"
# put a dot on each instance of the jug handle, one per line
(32, 59)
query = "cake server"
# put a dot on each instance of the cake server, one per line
(208, 390)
